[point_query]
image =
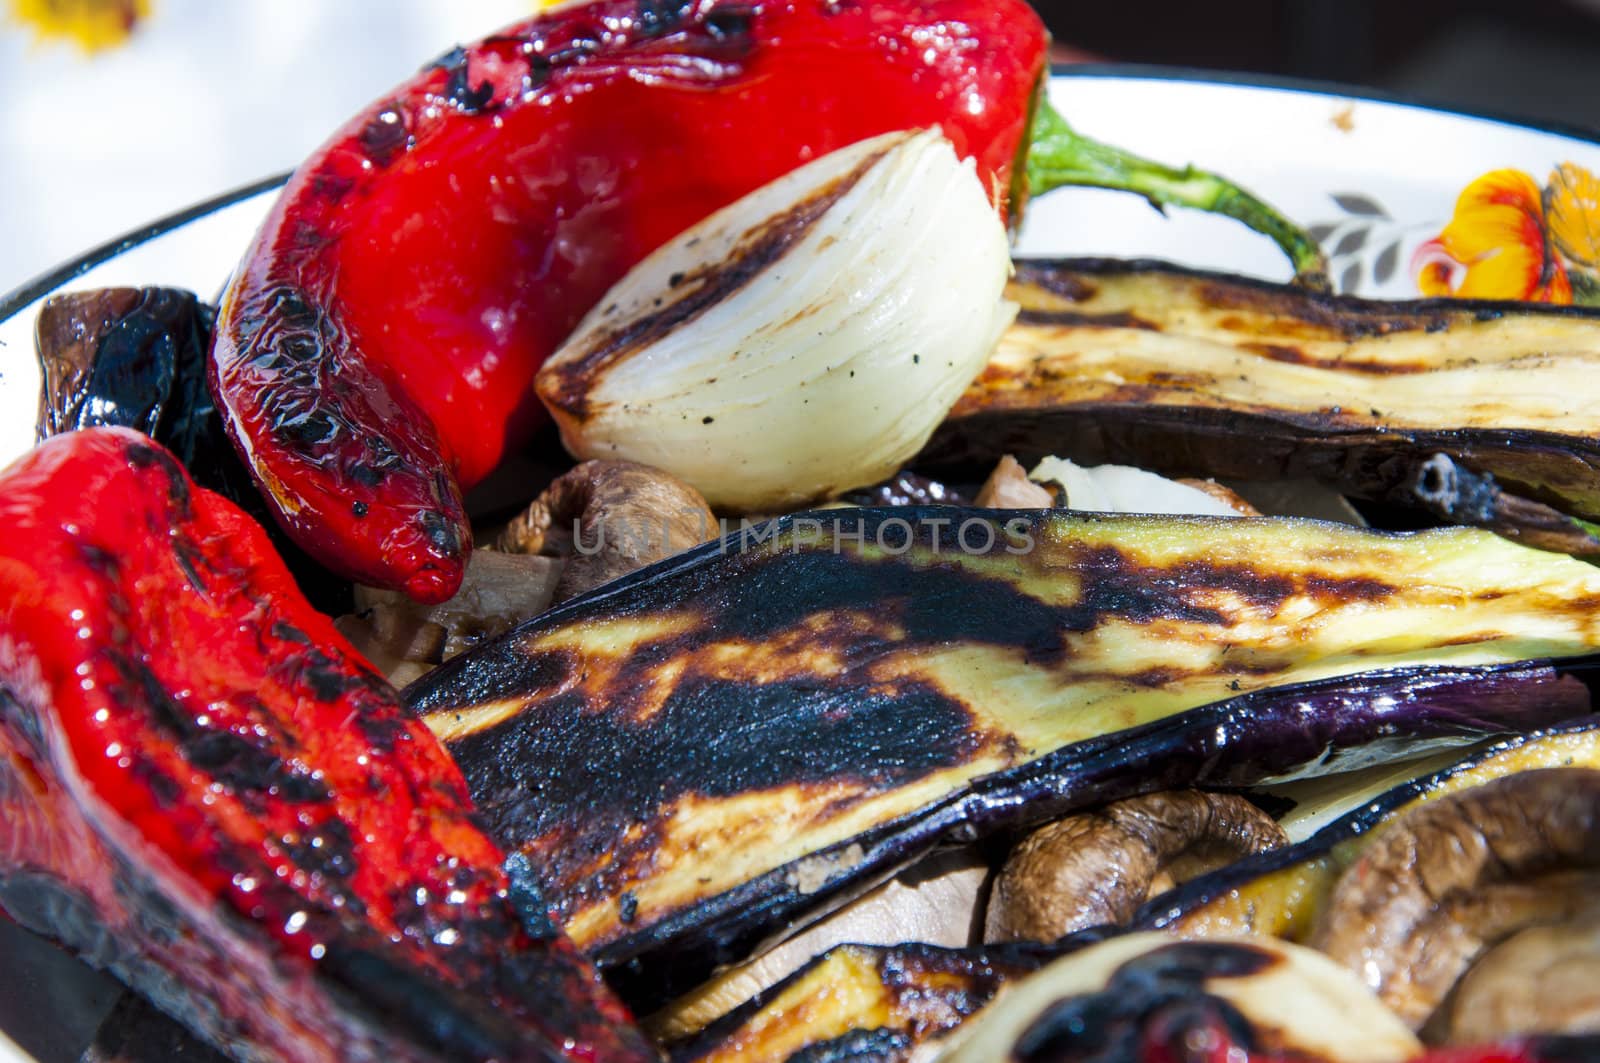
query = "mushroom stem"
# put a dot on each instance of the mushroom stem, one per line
(1459, 874)
(1097, 868)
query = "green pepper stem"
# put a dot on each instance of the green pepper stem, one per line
(1058, 156)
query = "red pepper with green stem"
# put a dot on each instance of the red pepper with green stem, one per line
(376, 350)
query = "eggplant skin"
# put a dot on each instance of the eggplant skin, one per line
(719, 747)
(1281, 893)
(1203, 374)
(137, 358)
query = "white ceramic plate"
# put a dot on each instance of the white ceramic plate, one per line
(1378, 178)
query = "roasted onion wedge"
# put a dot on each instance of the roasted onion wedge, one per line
(726, 744)
(1479, 413)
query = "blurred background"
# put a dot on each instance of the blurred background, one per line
(99, 134)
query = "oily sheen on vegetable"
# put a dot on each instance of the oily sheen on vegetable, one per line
(137, 358)
(1162, 1003)
(800, 342)
(208, 793)
(377, 344)
(719, 746)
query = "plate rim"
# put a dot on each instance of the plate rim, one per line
(18, 299)
(1316, 87)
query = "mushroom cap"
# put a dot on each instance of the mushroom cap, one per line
(1097, 868)
(1459, 873)
(609, 518)
(1542, 980)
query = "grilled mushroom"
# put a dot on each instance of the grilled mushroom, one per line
(1097, 868)
(1460, 874)
(406, 640)
(608, 518)
(1545, 979)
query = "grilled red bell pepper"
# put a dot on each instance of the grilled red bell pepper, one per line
(376, 349)
(206, 790)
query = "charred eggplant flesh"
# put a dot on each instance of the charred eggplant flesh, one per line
(719, 747)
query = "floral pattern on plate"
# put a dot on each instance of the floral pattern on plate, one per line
(1512, 239)
(1509, 238)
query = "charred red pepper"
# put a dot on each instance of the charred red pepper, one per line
(207, 791)
(376, 351)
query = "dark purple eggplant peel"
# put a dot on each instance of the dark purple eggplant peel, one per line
(726, 744)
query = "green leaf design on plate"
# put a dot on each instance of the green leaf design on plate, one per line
(1356, 203)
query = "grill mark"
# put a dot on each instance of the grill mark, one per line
(385, 136)
(1117, 319)
(568, 384)
(1279, 352)
(721, 740)
(249, 769)
(1072, 286)
(1113, 1023)
(1348, 319)
(141, 456)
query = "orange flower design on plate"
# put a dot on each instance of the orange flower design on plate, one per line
(1511, 239)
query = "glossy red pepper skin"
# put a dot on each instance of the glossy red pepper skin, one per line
(376, 350)
(204, 788)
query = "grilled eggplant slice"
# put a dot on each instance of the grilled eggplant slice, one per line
(723, 745)
(136, 358)
(862, 1002)
(1479, 413)
(938, 901)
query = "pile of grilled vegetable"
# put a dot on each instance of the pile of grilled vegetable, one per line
(852, 680)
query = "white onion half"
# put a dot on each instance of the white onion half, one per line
(802, 341)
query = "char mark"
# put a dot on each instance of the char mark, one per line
(713, 739)
(1161, 990)
(702, 290)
